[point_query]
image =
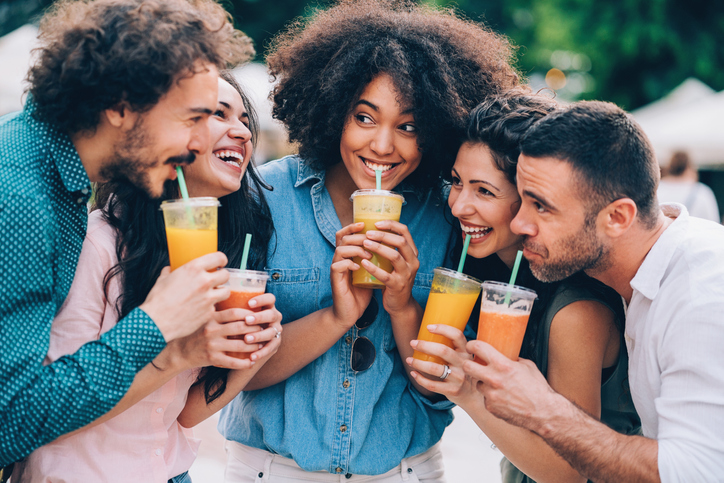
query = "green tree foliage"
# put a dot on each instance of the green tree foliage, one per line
(627, 51)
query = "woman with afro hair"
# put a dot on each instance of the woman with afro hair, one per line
(362, 86)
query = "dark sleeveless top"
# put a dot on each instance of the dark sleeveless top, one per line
(617, 409)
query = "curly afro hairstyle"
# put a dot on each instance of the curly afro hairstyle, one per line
(441, 64)
(500, 123)
(96, 54)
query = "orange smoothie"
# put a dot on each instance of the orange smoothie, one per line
(504, 331)
(238, 300)
(185, 244)
(361, 277)
(444, 309)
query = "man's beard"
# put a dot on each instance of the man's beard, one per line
(581, 251)
(128, 162)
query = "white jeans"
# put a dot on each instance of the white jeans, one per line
(252, 465)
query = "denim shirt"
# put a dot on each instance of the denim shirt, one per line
(326, 417)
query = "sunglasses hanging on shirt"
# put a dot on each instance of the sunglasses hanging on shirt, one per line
(363, 350)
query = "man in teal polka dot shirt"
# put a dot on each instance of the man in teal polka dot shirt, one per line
(120, 90)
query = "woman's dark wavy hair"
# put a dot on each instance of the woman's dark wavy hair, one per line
(501, 121)
(441, 64)
(95, 55)
(141, 244)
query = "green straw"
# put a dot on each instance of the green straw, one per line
(516, 266)
(378, 179)
(464, 253)
(185, 195)
(182, 183)
(245, 254)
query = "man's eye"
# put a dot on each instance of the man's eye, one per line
(538, 207)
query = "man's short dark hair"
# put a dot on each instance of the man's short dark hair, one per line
(97, 54)
(606, 148)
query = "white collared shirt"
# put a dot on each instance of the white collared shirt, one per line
(675, 340)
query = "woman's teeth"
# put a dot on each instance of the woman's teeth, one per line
(378, 167)
(477, 231)
(230, 157)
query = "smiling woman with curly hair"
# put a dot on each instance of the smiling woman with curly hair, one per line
(363, 86)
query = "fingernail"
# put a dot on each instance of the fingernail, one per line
(249, 319)
(249, 339)
(259, 346)
(252, 303)
(368, 243)
(413, 343)
(252, 358)
(431, 326)
(409, 361)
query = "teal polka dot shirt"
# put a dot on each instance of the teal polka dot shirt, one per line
(44, 191)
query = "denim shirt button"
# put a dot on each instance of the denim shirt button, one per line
(348, 475)
(276, 275)
(345, 384)
(348, 339)
(338, 469)
(343, 428)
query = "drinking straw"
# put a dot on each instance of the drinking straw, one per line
(378, 179)
(464, 253)
(245, 254)
(182, 183)
(185, 195)
(516, 266)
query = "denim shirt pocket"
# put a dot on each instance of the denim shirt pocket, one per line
(420, 291)
(296, 291)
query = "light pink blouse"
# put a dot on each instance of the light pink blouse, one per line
(143, 444)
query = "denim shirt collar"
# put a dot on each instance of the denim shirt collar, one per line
(307, 173)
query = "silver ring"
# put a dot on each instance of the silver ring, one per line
(445, 372)
(277, 333)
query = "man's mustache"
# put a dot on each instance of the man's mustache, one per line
(187, 158)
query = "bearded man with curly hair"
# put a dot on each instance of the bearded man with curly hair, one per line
(121, 89)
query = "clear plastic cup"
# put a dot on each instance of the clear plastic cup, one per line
(451, 301)
(244, 286)
(371, 206)
(503, 322)
(191, 228)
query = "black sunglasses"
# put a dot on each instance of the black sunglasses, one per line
(363, 350)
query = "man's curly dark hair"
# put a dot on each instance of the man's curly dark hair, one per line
(441, 64)
(97, 54)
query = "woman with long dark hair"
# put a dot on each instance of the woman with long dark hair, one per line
(575, 331)
(143, 439)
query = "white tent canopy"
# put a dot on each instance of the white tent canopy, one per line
(15, 49)
(691, 119)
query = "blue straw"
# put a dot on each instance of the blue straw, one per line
(245, 254)
(513, 275)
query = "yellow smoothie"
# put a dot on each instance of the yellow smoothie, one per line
(452, 309)
(362, 278)
(185, 244)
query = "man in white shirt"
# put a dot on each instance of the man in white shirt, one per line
(588, 179)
